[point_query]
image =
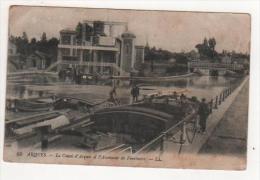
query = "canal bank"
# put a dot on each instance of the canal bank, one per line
(230, 135)
(213, 120)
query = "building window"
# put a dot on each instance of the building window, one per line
(127, 48)
(78, 52)
(65, 39)
(65, 52)
(74, 52)
(86, 55)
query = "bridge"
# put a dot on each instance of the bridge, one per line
(29, 73)
(214, 66)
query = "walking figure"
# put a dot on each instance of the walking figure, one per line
(183, 99)
(203, 113)
(175, 95)
(135, 93)
(112, 96)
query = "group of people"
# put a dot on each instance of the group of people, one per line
(135, 92)
(203, 111)
(72, 74)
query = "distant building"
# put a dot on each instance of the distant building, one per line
(239, 60)
(15, 60)
(37, 60)
(12, 49)
(226, 59)
(139, 57)
(97, 50)
(193, 55)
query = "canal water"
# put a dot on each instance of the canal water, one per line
(43, 85)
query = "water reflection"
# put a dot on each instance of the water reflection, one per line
(195, 81)
(201, 86)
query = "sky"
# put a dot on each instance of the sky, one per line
(174, 31)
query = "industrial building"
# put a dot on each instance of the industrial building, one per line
(96, 48)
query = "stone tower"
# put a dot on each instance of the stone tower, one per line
(128, 51)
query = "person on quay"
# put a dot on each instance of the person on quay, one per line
(175, 95)
(112, 95)
(135, 93)
(203, 114)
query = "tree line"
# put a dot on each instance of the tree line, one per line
(26, 47)
(159, 55)
(206, 51)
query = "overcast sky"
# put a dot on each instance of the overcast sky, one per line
(175, 31)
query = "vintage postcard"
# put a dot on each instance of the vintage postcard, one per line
(138, 88)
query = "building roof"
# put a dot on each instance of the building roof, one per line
(68, 31)
(139, 46)
(39, 54)
(128, 34)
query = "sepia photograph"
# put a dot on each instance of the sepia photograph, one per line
(125, 87)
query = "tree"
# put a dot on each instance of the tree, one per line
(53, 49)
(207, 48)
(44, 37)
(205, 43)
(147, 54)
(212, 44)
(79, 31)
(22, 44)
(33, 45)
(25, 37)
(42, 44)
(181, 58)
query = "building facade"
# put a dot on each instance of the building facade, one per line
(37, 61)
(94, 48)
(15, 60)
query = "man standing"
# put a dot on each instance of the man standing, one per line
(135, 93)
(112, 95)
(203, 113)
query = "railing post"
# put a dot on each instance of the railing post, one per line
(216, 103)
(227, 92)
(161, 145)
(183, 134)
(220, 98)
(210, 106)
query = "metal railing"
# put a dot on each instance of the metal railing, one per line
(97, 64)
(159, 139)
(214, 103)
(218, 99)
